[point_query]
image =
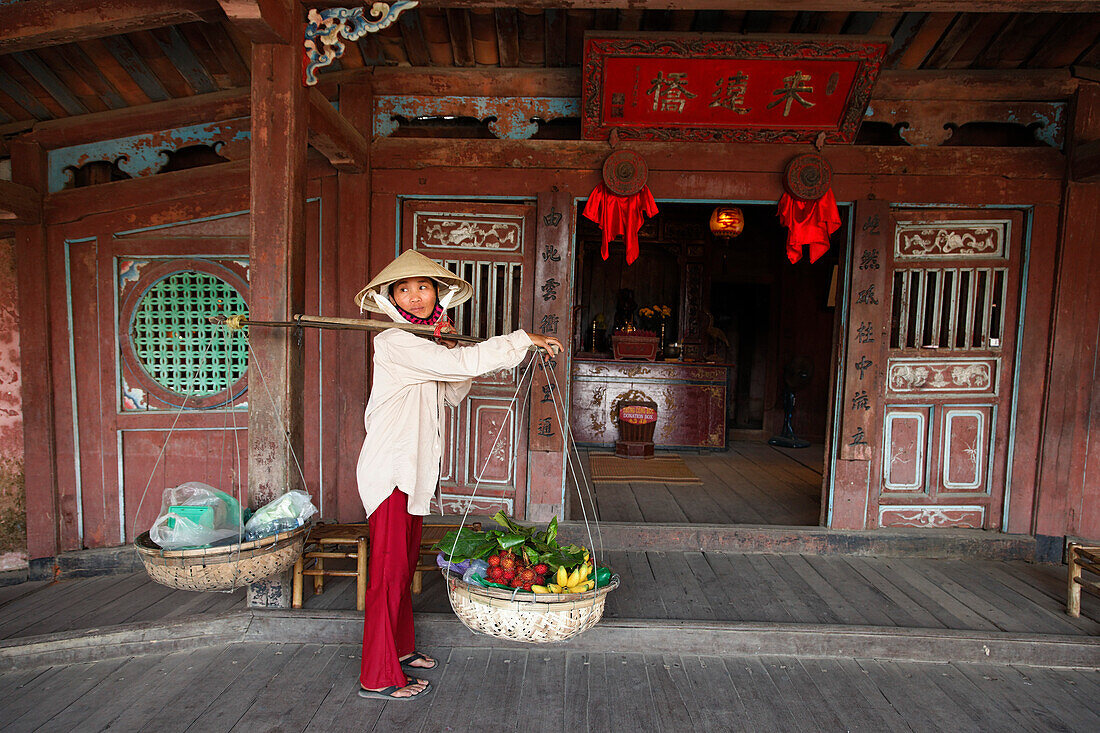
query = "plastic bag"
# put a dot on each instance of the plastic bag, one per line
(455, 567)
(287, 512)
(174, 530)
(478, 568)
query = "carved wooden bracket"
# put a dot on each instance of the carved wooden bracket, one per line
(327, 26)
(930, 123)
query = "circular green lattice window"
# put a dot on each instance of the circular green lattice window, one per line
(176, 344)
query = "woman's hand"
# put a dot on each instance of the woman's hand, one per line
(547, 343)
(449, 343)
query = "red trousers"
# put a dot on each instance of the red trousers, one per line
(388, 622)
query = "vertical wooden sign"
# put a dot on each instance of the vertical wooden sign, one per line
(552, 317)
(553, 300)
(868, 314)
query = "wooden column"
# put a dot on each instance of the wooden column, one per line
(353, 269)
(47, 524)
(277, 284)
(859, 436)
(1069, 461)
(550, 392)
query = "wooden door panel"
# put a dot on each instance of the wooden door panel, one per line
(964, 448)
(491, 246)
(905, 437)
(953, 288)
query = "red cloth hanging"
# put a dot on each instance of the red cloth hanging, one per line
(809, 223)
(620, 215)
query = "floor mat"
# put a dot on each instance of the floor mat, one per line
(660, 469)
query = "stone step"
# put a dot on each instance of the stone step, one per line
(619, 635)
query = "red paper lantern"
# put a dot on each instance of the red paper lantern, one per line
(727, 221)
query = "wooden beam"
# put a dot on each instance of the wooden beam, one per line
(264, 21)
(145, 118)
(1085, 163)
(37, 23)
(971, 6)
(333, 136)
(19, 203)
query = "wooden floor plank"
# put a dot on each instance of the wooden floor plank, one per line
(65, 616)
(9, 593)
(544, 681)
(920, 617)
(46, 599)
(188, 703)
(752, 596)
(629, 700)
(678, 587)
(970, 703)
(981, 604)
(836, 590)
(698, 506)
(575, 701)
(1033, 616)
(864, 707)
(670, 702)
(113, 693)
(341, 709)
(1047, 696)
(657, 503)
(151, 694)
(290, 699)
(640, 573)
(458, 678)
(794, 690)
(759, 694)
(230, 705)
(39, 702)
(717, 703)
(961, 616)
(875, 606)
(738, 508)
(803, 602)
(617, 503)
(718, 591)
(992, 685)
(502, 682)
(915, 698)
(999, 572)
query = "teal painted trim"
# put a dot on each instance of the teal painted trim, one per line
(131, 61)
(1010, 453)
(72, 383)
(44, 75)
(509, 118)
(22, 97)
(844, 280)
(186, 62)
(141, 154)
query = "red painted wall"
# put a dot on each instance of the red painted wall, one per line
(13, 538)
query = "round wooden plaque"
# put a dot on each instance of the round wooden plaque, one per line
(624, 172)
(808, 176)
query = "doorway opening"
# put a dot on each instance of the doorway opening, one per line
(748, 335)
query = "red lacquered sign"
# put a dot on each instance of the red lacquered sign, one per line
(727, 88)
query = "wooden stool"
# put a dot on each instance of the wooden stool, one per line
(333, 541)
(1081, 557)
(431, 534)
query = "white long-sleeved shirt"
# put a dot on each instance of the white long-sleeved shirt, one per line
(412, 378)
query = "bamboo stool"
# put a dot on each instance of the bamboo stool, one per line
(344, 541)
(431, 534)
(1081, 557)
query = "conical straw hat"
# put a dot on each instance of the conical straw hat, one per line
(412, 264)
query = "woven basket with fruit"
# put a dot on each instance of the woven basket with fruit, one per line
(519, 583)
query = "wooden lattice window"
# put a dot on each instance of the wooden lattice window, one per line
(172, 355)
(955, 308)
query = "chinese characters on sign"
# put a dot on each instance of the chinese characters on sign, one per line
(549, 323)
(727, 87)
(550, 289)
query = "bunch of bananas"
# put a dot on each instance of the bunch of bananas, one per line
(577, 581)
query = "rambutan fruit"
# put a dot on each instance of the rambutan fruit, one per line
(508, 574)
(493, 560)
(541, 568)
(528, 575)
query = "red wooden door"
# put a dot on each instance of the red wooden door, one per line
(953, 288)
(492, 247)
(160, 397)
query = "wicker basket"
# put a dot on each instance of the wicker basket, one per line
(537, 619)
(222, 568)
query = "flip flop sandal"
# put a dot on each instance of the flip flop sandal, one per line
(416, 657)
(386, 693)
